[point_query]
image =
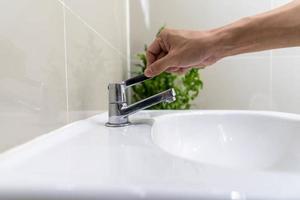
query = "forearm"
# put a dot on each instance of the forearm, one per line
(278, 28)
(178, 50)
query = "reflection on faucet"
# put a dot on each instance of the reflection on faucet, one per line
(119, 110)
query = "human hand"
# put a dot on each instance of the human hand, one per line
(177, 51)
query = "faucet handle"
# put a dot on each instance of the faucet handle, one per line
(135, 80)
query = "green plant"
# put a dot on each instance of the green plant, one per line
(187, 86)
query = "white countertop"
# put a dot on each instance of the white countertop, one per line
(86, 160)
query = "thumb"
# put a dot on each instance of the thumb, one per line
(159, 66)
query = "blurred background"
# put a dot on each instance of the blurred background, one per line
(57, 57)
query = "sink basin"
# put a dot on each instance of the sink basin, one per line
(203, 155)
(245, 140)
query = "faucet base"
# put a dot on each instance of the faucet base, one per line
(117, 125)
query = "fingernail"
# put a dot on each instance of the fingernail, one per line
(148, 72)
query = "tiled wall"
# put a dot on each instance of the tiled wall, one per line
(267, 80)
(56, 59)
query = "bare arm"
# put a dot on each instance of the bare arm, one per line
(178, 50)
(278, 28)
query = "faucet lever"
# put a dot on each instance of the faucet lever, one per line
(135, 80)
(119, 110)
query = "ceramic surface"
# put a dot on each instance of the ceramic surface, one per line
(86, 160)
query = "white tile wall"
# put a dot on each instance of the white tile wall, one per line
(32, 80)
(264, 80)
(57, 56)
(241, 83)
(286, 84)
(95, 51)
(285, 76)
(56, 60)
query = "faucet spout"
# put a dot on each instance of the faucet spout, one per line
(167, 96)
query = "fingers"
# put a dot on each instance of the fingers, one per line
(159, 66)
(155, 49)
(158, 56)
(150, 57)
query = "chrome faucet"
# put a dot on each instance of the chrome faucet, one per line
(119, 110)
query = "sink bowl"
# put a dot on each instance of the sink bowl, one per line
(196, 155)
(245, 140)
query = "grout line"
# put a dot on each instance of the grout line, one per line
(271, 70)
(92, 29)
(66, 64)
(128, 50)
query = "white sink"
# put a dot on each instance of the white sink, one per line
(237, 139)
(203, 155)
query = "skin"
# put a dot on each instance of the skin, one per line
(177, 51)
